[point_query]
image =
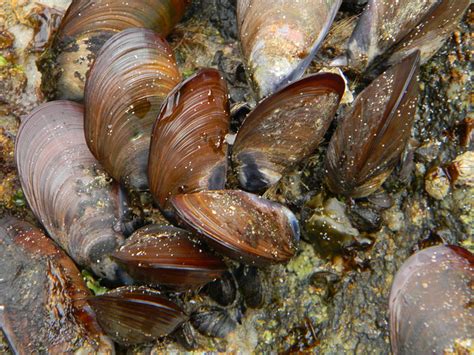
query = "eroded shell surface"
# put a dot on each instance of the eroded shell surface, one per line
(188, 151)
(370, 139)
(280, 38)
(285, 128)
(133, 73)
(430, 34)
(431, 302)
(241, 225)
(42, 296)
(88, 24)
(66, 187)
(133, 315)
(382, 25)
(165, 255)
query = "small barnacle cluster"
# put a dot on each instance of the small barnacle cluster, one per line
(123, 110)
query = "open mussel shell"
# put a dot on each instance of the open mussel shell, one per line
(431, 308)
(430, 34)
(370, 139)
(133, 315)
(42, 296)
(66, 188)
(133, 73)
(88, 24)
(188, 151)
(382, 25)
(280, 38)
(241, 225)
(285, 128)
(165, 255)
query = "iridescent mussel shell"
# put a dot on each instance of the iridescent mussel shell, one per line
(240, 225)
(42, 296)
(280, 38)
(164, 255)
(134, 315)
(285, 128)
(431, 309)
(382, 25)
(430, 34)
(370, 139)
(188, 151)
(66, 187)
(133, 73)
(88, 24)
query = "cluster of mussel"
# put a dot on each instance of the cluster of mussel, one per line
(141, 127)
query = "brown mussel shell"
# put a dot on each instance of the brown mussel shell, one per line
(42, 296)
(431, 309)
(382, 25)
(65, 186)
(133, 73)
(285, 128)
(240, 225)
(188, 152)
(165, 255)
(370, 139)
(280, 38)
(88, 24)
(133, 315)
(430, 34)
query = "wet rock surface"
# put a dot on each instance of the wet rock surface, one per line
(344, 308)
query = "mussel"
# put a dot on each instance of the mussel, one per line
(133, 73)
(407, 24)
(241, 225)
(213, 321)
(370, 139)
(285, 128)
(279, 38)
(223, 290)
(88, 24)
(66, 187)
(430, 34)
(133, 315)
(164, 255)
(431, 308)
(43, 303)
(188, 152)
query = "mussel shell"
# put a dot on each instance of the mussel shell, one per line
(170, 256)
(133, 315)
(65, 186)
(431, 301)
(88, 24)
(240, 225)
(42, 296)
(188, 152)
(430, 34)
(280, 38)
(223, 290)
(213, 321)
(382, 25)
(370, 139)
(133, 73)
(285, 128)
(251, 285)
